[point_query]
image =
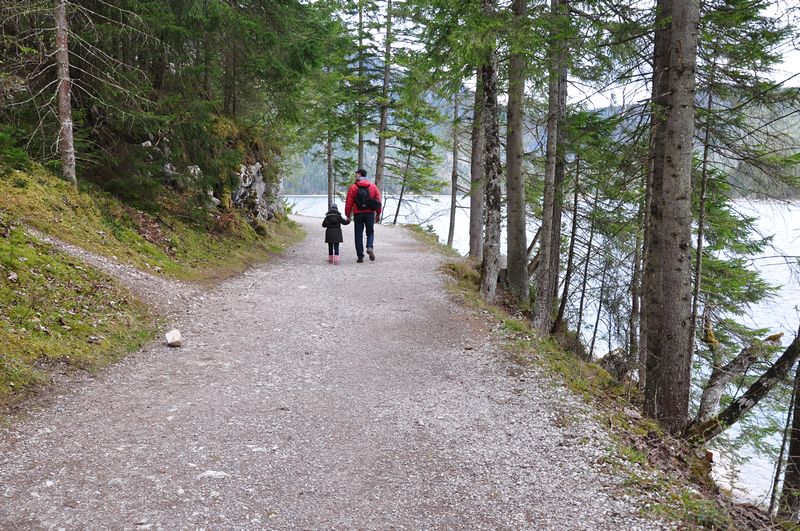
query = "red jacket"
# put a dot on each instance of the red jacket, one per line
(350, 206)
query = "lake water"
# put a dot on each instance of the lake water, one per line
(781, 220)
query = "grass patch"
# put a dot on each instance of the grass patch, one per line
(57, 311)
(694, 509)
(428, 235)
(178, 240)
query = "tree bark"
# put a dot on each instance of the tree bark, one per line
(403, 186)
(66, 142)
(558, 183)
(360, 105)
(384, 107)
(705, 431)
(490, 266)
(719, 380)
(599, 313)
(517, 248)
(701, 221)
(477, 196)
(789, 507)
(669, 261)
(329, 160)
(543, 304)
(776, 478)
(648, 194)
(571, 253)
(633, 321)
(586, 268)
(229, 87)
(533, 263)
(453, 175)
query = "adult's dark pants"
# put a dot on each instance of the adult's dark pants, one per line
(364, 220)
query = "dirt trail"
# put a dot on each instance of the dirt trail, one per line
(314, 396)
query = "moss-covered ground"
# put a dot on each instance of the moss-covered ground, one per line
(57, 311)
(179, 239)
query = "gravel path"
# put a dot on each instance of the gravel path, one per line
(316, 397)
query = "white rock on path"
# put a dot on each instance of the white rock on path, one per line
(173, 338)
(214, 474)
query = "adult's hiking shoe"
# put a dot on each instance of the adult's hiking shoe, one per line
(371, 254)
(360, 260)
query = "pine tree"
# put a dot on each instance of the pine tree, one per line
(668, 261)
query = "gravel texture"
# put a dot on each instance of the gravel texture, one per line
(313, 396)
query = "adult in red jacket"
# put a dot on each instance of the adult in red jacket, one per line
(365, 208)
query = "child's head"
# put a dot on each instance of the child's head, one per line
(334, 207)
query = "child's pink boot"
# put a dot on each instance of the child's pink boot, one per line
(330, 259)
(336, 259)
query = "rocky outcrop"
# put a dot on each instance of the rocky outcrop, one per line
(260, 198)
(258, 189)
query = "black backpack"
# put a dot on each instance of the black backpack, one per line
(364, 200)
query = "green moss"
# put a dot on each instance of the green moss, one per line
(632, 455)
(428, 236)
(59, 311)
(179, 240)
(515, 326)
(693, 508)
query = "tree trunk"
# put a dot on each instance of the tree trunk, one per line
(705, 431)
(65, 135)
(229, 87)
(701, 221)
(453, 175)
(206, 56)
(720, 378)
(543, 305)
(533, 263)
(477, 197)
(669, 261)
(384, 107)
(571, 253)
(329, 159)
(558, 183)
(490, 266)
(360, 105)
(599, 312)
(517, 247)
(648, 194)
(403, 186)
(651, 282)
(789, 507)
(586, 268)
(776, 478)
(633, 322)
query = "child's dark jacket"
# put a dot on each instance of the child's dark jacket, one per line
(333, 223)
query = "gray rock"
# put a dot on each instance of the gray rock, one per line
(259, 198)
(173, 338)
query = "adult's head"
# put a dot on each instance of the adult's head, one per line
(361, 173)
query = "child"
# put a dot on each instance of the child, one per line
(333, 235)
